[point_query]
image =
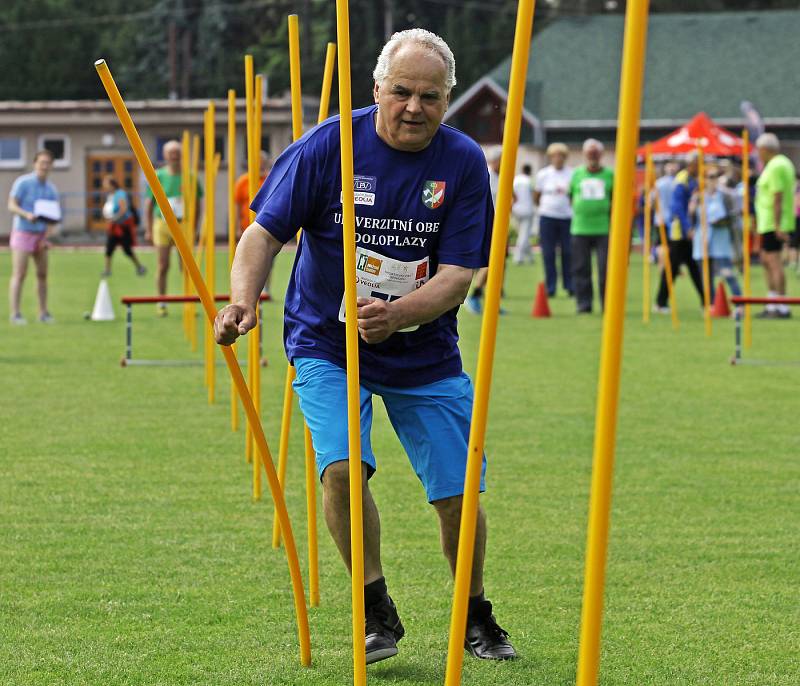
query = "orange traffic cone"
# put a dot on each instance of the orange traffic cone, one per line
(540, 306)
(720, 307)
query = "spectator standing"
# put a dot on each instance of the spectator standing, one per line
(794, 239)
(775, 217)
(156, 229)
(720, 213)
(523, 211)
(681, 233)
(118, 209)
(30, 230)
(550, 195)
(590, 193)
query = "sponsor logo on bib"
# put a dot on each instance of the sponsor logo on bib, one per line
(433, 194)
(363, 190)
(370, 265)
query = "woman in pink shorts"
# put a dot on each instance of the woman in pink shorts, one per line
(31, 196)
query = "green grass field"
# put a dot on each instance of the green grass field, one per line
(131, 551)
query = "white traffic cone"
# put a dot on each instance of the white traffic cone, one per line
(103, 311)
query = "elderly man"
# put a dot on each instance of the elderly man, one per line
(775, 218)
(156, 229)
(590, 194)
(29, 231)
(424, 212)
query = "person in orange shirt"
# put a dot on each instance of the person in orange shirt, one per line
(241, 195)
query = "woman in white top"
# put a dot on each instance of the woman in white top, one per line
(523, 211)
(551, 196)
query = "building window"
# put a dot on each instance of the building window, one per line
(12, 152)
(58, 144)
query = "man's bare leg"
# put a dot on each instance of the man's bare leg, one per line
(163, 268)
(336, 504)
(449, 511)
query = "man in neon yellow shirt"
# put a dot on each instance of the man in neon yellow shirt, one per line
(774, 217)
(156, 229)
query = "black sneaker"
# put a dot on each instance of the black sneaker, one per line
(383, 630)
(486, 639)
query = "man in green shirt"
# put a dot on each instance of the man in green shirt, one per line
(590, 194)
(156, 229)
(774, 217)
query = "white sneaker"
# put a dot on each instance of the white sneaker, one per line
(18, 320)
(46, 318)
(660, 310)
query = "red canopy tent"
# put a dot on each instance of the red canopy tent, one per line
(699, 130)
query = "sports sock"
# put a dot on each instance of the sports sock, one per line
(770, 306)
(479, 607)
(375, 592)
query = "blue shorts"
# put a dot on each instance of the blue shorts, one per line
(431, 421)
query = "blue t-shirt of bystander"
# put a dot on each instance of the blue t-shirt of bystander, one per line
(26, 190)
(414, 211)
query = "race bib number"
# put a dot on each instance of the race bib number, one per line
(176, 204)
(593, 189)
(378, 276)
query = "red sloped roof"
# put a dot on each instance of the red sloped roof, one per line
(699, 130)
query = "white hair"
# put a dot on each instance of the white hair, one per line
(593, 143)
(426, 39)
(768, 141)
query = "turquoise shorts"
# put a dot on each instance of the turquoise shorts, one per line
(431, 421)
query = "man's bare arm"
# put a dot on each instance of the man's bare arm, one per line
(379, 319)
(254, 256)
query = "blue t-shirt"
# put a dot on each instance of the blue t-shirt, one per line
(27, 189)
(117, 198)
(414, 211)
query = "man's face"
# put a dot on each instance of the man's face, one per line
(691, 167)
(557, 159)
(764, 155)
(172, 156)
(42, 166)
(593, 154)
(412, 99)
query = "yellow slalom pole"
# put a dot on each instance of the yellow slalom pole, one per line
(662, 234)
(648, 227)
(210, 160)
(701, 182)
(232, 221)
(283, 445)
(311, 518)
(630, 102)
(351, 344)
(327, 80)
(311, 471)
(194, 175)
(248, 98)
(256, 332)
(185, 166)
(748, 322)
(208, 304)
(483, 377)
(297, 132)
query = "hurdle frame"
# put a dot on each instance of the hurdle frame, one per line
(741, 302)
(129, 301)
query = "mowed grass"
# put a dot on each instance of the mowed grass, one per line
(131, 551)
